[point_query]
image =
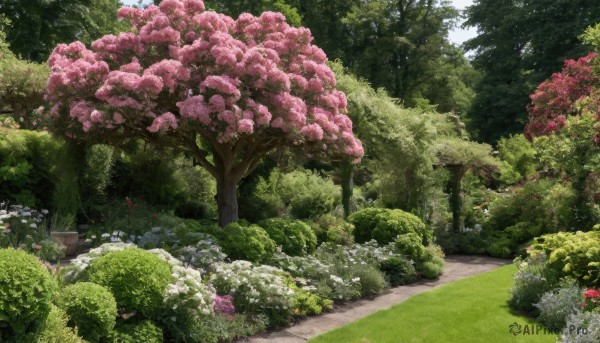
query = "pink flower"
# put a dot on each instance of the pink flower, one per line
(246, 126)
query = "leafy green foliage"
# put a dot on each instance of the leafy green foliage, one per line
(572, 155)
(384, 225)
(26, 290)
(411, 245)
(133, 332)
(398, 271)
(37, 26)
(119, 270)
(432, 269)
(573, 254)
(329, 228)
(251, 243)
(517, 159)
(308, 303)
(372, 280)
(91, 308)
(26, 159)
(295, 237)
(54, 329)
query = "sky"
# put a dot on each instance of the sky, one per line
(457, 36)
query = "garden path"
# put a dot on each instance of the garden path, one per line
(456, 267)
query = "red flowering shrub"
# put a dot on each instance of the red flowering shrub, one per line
(555, 99)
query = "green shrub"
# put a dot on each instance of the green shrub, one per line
(372, 281)
(573, 254)
(26, 290)
(54, 329)
(537, 208)
(410, 244)
(144, 331)
(26, 161)
(501, 247)
(384, 225)
(91, 308)
(518, 159)
(295, 237)
(398, 271)
(433, 268)
(308, 195)
(136, 278)
(307, 303)
(251, 243)
(329, 228)
(364, 223)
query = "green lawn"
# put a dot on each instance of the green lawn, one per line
(470, 310)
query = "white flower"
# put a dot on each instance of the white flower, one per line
(23, 221)
(44, 211)
(33, 226)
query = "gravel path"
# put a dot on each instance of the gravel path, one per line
(456, 268)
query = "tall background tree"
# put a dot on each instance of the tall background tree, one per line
(519, 44)
(38, 25)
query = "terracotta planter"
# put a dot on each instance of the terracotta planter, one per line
(67, 238)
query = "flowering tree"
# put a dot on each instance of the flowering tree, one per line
(225, 91)
(555, 98)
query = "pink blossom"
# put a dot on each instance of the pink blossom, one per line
(246, 126)
(195, 108)
(313, 132)
(164, 122)
(118, 118)
(220, 77)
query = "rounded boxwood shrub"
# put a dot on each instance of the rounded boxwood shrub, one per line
(364, 222)
(295, 237)
(143, 331)
(136, 278)
(410, 244)
(250, 243)
(91, 308)
(54, 329)
(26, 289)
(384, 225)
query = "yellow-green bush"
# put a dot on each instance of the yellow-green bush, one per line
(574, 254)
(91, 308)
(135, 277)
(26, 290)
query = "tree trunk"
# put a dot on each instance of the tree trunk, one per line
(456, 201)
(347, 187)
(227, 200)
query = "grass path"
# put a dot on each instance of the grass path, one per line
(469, 310)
